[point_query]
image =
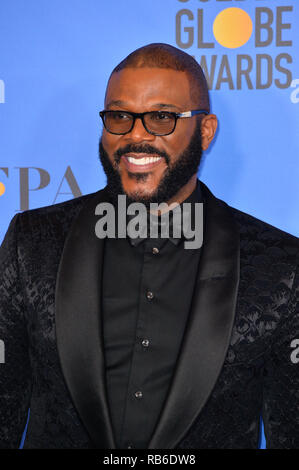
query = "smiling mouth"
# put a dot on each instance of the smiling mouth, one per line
(141, 161)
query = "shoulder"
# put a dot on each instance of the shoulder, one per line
(250, 225)
(46, 226)
(261, 242)
(59, 216)
(252, 230)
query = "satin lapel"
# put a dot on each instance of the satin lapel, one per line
(78, 324)
(209, 327)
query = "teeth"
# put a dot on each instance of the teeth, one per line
(143, 161)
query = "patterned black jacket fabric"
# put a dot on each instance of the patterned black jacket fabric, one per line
(239, 359)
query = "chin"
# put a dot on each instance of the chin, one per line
(140, 194)
(141, 189)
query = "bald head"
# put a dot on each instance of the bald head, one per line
(164, 56)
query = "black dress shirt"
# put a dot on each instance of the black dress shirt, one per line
(147, 292)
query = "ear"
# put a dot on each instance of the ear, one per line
(208, 130)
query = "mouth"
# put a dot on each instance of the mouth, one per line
(140, 162)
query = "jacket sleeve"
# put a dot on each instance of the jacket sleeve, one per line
(281, 381)
(15, 373)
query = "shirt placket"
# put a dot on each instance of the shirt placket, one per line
(137, 407)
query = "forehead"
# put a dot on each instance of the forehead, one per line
(140, 87)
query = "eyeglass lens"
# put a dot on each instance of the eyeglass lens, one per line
(155, 122)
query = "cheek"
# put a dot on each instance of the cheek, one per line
(106, 139)
(176, 147)
(110, 143)
(180, 139)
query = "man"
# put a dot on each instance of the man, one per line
(139, 342)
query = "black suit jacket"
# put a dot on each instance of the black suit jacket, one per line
(237, 361)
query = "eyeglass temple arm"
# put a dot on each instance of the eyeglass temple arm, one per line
(188, 114)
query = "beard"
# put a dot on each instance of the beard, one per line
(175, 176)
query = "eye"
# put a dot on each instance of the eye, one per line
(119, 116)
(161, 116)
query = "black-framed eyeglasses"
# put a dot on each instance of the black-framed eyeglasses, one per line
(155, 122)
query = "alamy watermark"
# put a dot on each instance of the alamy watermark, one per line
(2, 352)
(176, 220)
(295, 354)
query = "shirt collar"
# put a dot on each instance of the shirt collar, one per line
(194, 197)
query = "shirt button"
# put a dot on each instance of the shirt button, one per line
(149, 295)
(138, 394)
(145, 343)
(155, 250)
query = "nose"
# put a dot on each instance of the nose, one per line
(139, 133)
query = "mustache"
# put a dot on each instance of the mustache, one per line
(134, 148)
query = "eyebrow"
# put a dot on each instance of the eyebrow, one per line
(158, 105)
(115, 103)
(166, 105)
